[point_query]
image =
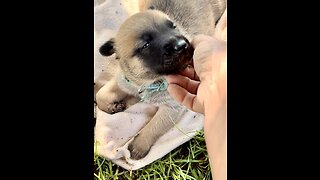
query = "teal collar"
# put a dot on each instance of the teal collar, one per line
(159, 85)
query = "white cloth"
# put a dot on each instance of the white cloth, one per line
(114, 132)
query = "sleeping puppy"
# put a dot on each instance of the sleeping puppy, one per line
(149, 45)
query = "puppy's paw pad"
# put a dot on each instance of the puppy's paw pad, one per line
(116, 107)
(138, 150)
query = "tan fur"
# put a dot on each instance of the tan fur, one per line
(127, 41)
(192, 18)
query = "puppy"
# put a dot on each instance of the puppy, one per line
(148, 45)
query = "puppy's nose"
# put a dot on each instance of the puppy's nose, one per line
(176, 46)
(180, 45)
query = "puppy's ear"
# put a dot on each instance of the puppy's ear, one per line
(108, 48)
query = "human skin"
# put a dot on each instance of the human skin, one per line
(202, 88)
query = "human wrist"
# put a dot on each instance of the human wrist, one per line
(215, 132)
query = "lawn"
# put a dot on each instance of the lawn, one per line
(188, 161)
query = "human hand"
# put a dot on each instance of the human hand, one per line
(203, 86)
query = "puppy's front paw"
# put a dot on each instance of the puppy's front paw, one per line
(138, 148)
(115, 107)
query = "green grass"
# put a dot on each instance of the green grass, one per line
(188, 161)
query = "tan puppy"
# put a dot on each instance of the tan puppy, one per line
(149, 45)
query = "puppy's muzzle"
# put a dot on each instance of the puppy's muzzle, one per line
(178, 54)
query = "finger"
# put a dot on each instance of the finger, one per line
(185, 98)
(184, 82)
(198, 39)
(190, 73)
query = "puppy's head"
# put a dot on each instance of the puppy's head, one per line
(149, 45)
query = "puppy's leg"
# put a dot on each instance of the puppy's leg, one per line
(111, 99)
(162, 121)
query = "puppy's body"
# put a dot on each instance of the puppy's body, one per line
(148, 45)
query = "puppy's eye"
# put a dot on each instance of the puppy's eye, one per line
(146, 45)
(171, 24)
(174, 25)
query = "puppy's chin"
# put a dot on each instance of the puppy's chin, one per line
(176, 64)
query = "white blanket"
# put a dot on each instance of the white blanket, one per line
(114, 132)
